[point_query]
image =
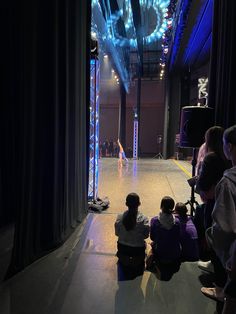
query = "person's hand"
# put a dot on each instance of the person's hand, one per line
(192, 181)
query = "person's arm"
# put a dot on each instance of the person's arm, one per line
(206, 175)
(117, 225)
(224, 212)
(200, 157)
(224, 217)
(212, 171)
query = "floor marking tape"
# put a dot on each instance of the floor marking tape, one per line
(182, 168)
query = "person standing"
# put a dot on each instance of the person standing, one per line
(210, 172)
(222, 234)
(230, 287)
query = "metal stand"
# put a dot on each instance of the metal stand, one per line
(159, 141)
(159, 156)
(192, 202)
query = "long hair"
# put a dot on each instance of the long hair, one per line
(230, 135)
(214, 140)
(130, 216)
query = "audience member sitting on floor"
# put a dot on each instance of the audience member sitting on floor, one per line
(222, 234)
(165, 234)
(131, 228)
(188, 234)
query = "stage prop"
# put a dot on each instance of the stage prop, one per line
(135, 139)
(195, 120)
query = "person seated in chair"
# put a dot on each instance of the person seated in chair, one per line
(188, 234)
(131, 228)
(165, 234)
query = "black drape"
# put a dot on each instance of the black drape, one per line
(46, 123)
(8, 123)
(222, 94)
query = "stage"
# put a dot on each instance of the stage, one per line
(150, 178)
(81, 275)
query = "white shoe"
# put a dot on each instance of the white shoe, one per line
(206, 266)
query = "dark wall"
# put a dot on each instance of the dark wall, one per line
(152, 123)
(151, 115)
(108, 121)
(202, 71)
(182, 90)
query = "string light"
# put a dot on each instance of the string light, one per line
(160, 8)
(166, 37)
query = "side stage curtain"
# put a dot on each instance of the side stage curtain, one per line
(222, 92)
(8, 124)
(50, 113)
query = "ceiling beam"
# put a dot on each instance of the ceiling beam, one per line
(139, 32)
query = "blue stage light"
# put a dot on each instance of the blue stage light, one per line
(201, 34)
(94, 129)
(160, 8)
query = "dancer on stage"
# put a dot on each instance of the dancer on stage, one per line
(121, 154)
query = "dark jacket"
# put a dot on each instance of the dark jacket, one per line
(212, 169)
(166, 242)
(188, 239)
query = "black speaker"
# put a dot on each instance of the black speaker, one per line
(195, 121)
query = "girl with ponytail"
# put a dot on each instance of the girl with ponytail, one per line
(131, 228)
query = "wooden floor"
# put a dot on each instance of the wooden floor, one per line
(81, 276)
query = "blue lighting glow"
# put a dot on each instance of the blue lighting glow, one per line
(135, 139)
(94, 129)
(200, 36)
(160, 7)
(183, 9)
(106, 40)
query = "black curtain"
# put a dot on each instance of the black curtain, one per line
(45, 144)
(222, 94)
(8, 123)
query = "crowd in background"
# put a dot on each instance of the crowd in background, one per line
(110, 148)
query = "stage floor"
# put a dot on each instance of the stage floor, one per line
(81, 276)
(150, 178)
